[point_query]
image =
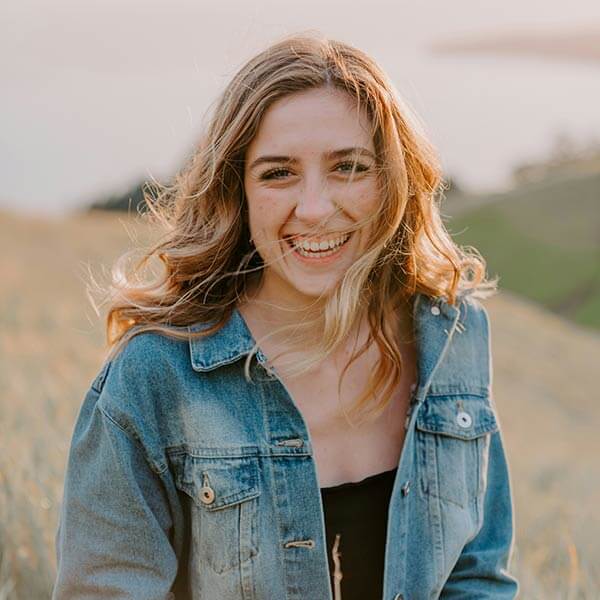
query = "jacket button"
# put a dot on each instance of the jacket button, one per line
(207, 495)
(405, 488)
(398, 597)
(435, 310)
(464, 420)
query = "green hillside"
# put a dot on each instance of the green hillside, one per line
(542, 239)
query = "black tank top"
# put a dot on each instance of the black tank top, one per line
(356, 514)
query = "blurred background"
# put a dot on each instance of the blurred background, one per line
(100, 97)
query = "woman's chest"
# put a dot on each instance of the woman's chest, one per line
(342, 451)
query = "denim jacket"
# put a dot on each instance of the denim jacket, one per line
(184, 480)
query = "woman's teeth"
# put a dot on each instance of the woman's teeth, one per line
(319, 249)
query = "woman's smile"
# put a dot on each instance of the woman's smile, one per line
(322, 252)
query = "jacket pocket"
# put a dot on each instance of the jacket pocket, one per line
(225, 490)
(452, 442)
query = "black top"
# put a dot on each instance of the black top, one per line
(358, 511)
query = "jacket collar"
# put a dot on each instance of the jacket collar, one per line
(434, 320)
(225, 346)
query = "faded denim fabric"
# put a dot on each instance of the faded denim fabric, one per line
(186, 481)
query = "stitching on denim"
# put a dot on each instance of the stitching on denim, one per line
(158, 469)
(214, 452)
(270, 465)
(98, 382)
(451, 394)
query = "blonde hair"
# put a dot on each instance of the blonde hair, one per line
(206, 257)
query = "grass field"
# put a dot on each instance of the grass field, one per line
(543, 239)
(51, 346)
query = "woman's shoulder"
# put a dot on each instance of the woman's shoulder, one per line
(138, 382)
(151, 345)
(140, 358)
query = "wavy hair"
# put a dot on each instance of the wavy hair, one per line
(207, 262)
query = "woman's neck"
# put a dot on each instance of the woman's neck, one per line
(275, 308)
(264, 314)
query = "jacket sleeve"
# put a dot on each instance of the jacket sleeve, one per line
(112, 539)
(482, 568)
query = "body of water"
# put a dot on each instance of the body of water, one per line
(99, 95)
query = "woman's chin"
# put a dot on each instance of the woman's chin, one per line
(314, 290)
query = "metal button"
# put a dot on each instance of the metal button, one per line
(207, 494)
(405, 488)
(464, 419)
(398, 597)
(435, 310)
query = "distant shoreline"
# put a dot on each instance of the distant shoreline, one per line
(581, 45)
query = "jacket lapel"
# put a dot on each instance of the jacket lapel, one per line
(435, 322)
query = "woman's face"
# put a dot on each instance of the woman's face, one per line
(298, 179)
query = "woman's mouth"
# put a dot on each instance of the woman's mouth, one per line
(324, 250)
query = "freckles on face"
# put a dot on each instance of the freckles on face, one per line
(268, 214)
(310, 167)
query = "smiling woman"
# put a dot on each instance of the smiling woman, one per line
(312, 181)
(299, 405)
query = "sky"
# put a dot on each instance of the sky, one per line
(100, 95)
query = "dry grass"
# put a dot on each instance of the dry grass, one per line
(545, 373)
(51, 345)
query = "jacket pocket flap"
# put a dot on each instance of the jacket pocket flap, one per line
(217, 483)
(461, 416)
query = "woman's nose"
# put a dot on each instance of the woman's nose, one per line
(314, 203)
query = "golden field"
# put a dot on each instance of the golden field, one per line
(52, 345)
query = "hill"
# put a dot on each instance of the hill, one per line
(542, 239)
(131, 201)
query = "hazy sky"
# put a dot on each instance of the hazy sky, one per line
(97, 95)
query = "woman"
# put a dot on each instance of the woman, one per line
(299, 405)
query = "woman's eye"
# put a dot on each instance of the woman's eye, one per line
(348, 167)
(275, 173)
(345, 167)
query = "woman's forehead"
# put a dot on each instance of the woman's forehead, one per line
(317, 120)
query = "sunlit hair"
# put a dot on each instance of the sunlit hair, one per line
(207, 262)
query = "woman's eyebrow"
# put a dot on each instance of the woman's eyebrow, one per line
(357, 150)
